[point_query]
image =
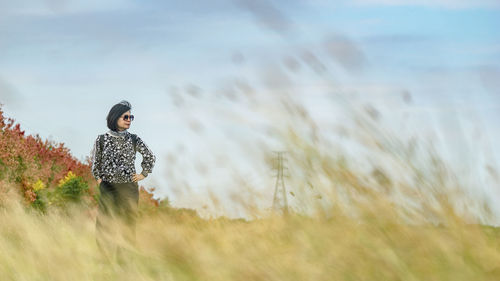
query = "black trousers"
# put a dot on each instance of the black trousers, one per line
(116, 216)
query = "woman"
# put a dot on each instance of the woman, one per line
(113, 160)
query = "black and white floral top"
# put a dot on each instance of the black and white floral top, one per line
(116, 162)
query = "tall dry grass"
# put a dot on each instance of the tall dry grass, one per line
(350, 225)
(60, 246)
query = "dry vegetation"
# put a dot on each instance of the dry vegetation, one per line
(367, 226)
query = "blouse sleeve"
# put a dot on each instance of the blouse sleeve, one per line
(96, 160)
(148, 158)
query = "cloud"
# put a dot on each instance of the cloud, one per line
(8, 94)
(51, 7)
(400, 38)
(450, 4)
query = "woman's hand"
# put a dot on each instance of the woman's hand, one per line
(138, 177)
(99, 181)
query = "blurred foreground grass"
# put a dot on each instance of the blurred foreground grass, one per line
(404, 217)
(61, 246)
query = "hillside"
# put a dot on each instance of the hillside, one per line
(43, 173)
(363, 235)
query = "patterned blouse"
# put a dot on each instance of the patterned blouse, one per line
(116, 162)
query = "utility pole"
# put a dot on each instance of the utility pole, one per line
(280, 200)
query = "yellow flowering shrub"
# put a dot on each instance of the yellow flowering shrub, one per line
(38, 185)
(70, 188)
(66, 179)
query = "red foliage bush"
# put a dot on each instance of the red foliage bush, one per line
(146, 196)
(26, 159)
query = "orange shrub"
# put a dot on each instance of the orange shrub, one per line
(29, 162)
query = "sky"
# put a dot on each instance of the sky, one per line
(205, 80)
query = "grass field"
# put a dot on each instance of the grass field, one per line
(411, 221)
(376, 245)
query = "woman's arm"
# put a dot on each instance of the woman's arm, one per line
(96, 160)
(148, 158)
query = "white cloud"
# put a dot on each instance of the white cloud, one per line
(451, 4)
(51, 7)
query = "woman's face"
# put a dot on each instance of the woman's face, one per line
(123, 124)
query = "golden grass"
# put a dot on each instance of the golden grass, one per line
(61, 246)
(363, 226)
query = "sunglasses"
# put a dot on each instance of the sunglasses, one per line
(126, 117)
